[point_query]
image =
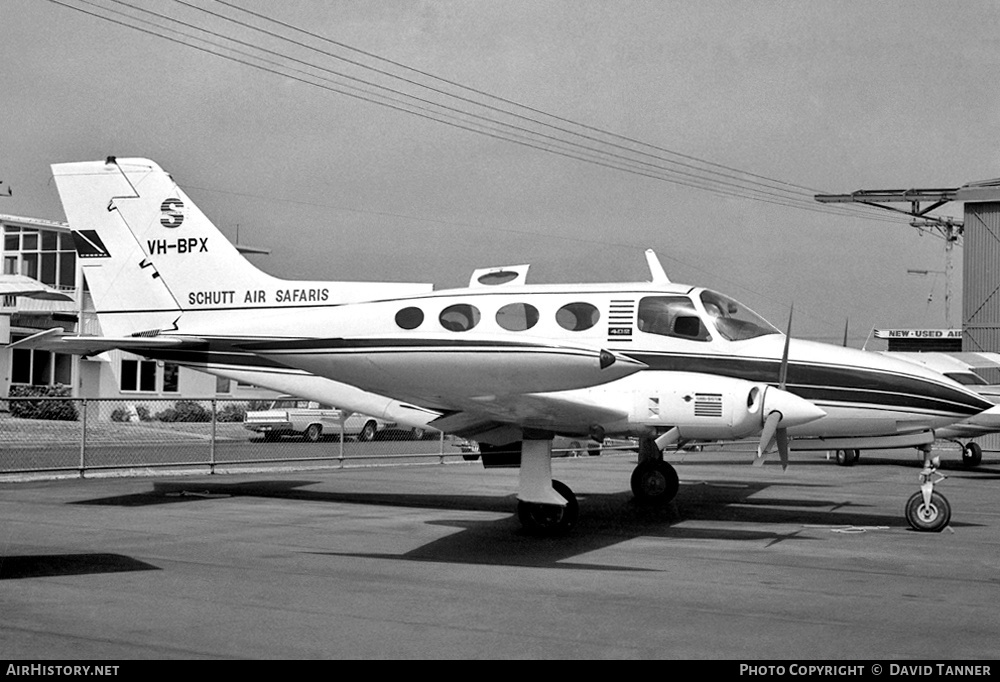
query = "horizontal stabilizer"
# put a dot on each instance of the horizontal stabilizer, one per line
(20, 285)
(57, 341)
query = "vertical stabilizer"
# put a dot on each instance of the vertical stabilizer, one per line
(127, 290)
(150, 254)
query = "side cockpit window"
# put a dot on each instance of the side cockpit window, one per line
(671, 316)
(733, 320)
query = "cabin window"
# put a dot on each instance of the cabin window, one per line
(460, 317)
(517, 317)
(671, 316)
(577, 317)
(410, 318)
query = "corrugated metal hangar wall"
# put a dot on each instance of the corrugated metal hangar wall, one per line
(981, 272)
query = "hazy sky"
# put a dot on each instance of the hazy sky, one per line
(827, 96)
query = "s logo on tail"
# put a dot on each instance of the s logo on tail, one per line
(172, 215)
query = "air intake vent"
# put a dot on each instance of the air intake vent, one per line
(708, 404)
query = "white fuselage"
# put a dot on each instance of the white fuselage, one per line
(446, 349)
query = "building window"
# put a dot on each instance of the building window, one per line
(45, 255)
(223, 385)
(138, 375)
(40, 368)
(171, 376)
(21, 372)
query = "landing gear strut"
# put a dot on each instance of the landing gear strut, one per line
(928, 510)
(653, 480)
(544, 506)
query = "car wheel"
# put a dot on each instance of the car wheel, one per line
(313, 433)
(368, 432)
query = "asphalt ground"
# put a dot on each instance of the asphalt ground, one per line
(429, 562)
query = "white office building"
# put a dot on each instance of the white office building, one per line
(43, 250)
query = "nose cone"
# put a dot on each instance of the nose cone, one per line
(794, 410)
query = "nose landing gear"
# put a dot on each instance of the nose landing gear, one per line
(928, 510)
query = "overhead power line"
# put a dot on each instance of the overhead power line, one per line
(430, 97)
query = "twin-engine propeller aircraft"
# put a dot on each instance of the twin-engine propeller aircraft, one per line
(502, 362)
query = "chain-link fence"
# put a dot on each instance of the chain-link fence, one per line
(71, 434)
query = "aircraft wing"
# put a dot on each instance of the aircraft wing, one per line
(559, 412)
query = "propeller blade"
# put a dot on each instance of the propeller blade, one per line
(782, 437)
(783, 374)
(767, 436)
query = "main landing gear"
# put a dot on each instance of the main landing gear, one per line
(928, 510)
(544, 506)
(654, 481)
(972, 454)
(548, 507)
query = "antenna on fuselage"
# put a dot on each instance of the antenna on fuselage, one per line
(656, 271)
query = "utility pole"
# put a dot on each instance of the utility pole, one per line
(950, 230)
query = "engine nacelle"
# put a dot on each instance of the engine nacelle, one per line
(708, 406)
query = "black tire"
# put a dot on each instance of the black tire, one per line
(312, 433)
(368, 432)
(972, 455)
(594, 450)
(655, 481)
(932, 518)
(575, 449)
(847, 458)
(550, 519)
(418, 434)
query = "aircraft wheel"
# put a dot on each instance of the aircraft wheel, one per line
(655, 481)
(972, 455)
(930, 518)
(312, 433)
(847, 458)
(550, 519)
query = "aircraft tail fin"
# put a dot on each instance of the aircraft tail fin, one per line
(149, 254)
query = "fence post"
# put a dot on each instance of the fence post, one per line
(440, 447)
(83, 438)
(211, 447)
(340, 458)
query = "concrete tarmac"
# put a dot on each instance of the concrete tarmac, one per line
(414, 562)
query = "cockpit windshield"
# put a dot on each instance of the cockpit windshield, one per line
(733, 320)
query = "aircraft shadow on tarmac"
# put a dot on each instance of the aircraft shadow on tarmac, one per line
(605, 519)
(50, 565)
